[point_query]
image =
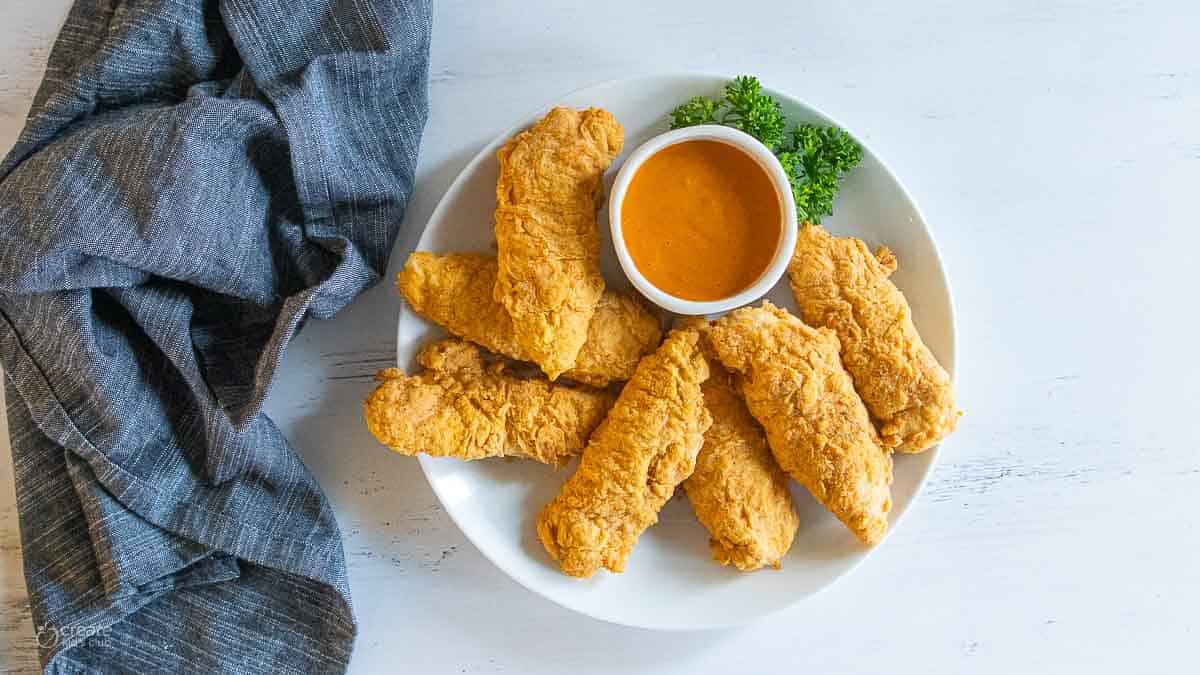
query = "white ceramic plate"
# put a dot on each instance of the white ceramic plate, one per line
(670, 581)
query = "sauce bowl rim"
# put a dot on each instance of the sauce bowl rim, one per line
(788, 225)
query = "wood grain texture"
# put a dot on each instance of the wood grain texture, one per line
(1054, 148)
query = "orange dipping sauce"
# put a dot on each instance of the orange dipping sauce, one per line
(701, 220)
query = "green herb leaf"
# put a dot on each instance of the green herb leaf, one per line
(815, 158)
(754, 112)
(698, 110)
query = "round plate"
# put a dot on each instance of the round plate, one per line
(670, 581)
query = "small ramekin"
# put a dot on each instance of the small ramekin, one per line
(787, 227)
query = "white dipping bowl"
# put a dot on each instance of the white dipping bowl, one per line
(783, 192)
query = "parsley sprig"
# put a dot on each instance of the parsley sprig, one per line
(815, 158)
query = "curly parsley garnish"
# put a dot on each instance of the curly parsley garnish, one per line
(815, 158)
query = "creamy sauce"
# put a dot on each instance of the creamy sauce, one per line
(701, 220)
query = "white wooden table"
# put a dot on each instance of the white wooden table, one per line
(1054, 147)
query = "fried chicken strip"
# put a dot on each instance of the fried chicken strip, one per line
(644, 448)
(738, 490)
(818, 429)
(455, 291)
(461, 407)
(840, 285)
(546, 200)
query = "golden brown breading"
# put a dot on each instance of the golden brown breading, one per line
(455, 291)
(646, 446)
(461, 407)
(840, 285)
(546, 200)
(738, 490)
(621, 332)
(818, 429)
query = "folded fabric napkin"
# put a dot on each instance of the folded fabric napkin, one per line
(195, 179)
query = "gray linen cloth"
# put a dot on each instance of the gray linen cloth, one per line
(195, 179)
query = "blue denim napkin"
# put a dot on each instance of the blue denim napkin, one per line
(195, 179)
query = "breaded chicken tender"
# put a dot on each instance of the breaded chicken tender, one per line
(546, 200)
(631, 466)
(840, 285)
(738, 490)
(455, 291)
(463, 408)
(818, 429)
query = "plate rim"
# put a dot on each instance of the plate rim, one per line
(949, 362)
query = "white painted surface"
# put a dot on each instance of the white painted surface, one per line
(1054, 148)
